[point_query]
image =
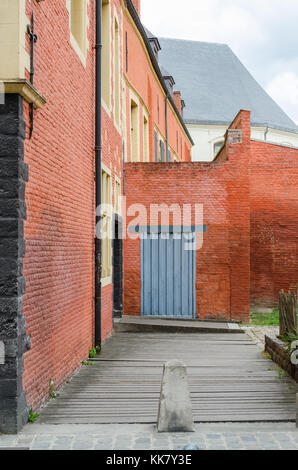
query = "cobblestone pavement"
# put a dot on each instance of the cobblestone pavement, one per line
(257, 333)
(246, 436)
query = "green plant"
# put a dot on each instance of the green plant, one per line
(32, 416)
(53, 394)
(265, 319)
(88, 363)
(266, 355)
(281, 373)
(93, 352)
(290, 339)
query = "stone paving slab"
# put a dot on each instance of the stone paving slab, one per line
(258, 333)
(223, 436)
(152, 324)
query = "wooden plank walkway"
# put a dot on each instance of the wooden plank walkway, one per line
(229, 381)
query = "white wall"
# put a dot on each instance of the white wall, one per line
(205, 136)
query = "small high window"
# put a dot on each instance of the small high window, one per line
(218, 146)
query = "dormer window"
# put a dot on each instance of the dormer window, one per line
(217, 147)
(169, 80)
(154, 42)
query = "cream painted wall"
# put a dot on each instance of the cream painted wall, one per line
(205, 137)
(13, 24)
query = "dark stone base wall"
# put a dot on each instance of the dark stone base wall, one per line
(13, 176)
(276, 349)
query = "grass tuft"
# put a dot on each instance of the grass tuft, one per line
(265, 319)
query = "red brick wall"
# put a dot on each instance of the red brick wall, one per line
(223, 263)
(60, 197)
(274, 221)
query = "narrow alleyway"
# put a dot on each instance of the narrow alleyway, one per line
(229, 379)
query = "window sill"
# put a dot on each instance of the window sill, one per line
(106, 107)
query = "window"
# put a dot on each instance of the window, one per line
(78, 27)
(116, 73)
(78, 21)
(117, 197)
(146, 140)
(106, 54)
(155, 146)
(126, 50)
(217, 147)
(106, 224)
(169, 156)
(162, 151)
(134, 135)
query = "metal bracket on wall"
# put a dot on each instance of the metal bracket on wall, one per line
(33, 40)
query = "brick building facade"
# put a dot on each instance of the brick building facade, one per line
(48, 191)
(47, 198)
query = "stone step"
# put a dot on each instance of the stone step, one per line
(133, 324)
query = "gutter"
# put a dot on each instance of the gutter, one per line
(98, 244)
(154, 62)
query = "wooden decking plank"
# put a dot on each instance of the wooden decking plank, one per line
(228, 381)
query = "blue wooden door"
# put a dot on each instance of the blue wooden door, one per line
(168, 276)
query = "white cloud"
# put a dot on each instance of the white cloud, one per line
(262, 34)
(284, 90)
(284, 87)
(212, 20)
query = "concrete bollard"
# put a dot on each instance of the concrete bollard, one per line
(297, 410)
(175, 410)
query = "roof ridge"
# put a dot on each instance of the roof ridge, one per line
(224, 44)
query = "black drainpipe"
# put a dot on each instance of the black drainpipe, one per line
(167, 139)
(98, 49)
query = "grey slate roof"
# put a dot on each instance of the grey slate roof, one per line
(215, 85)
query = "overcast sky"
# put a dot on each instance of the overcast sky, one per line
(263, 34)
